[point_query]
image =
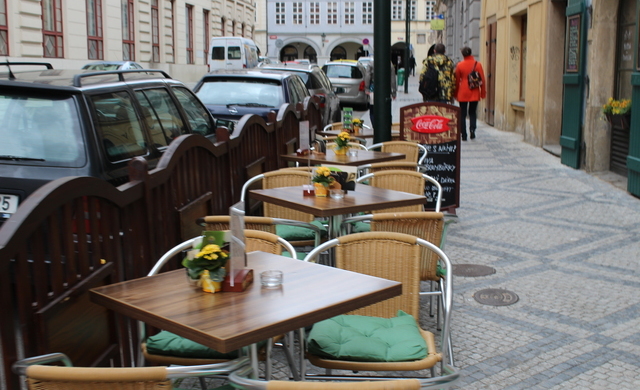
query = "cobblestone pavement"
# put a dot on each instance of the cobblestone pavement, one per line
(568, 244)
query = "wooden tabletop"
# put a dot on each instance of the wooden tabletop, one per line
(366, 132)
(226, 321)
(363, 157)
(363, 198)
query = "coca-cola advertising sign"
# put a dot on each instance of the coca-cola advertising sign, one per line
(430, 124)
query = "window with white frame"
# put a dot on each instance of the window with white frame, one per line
(349, 12)
(280, 13)
(314, 12)
(332, 12)
(397, 10)
(413, 10)
(367, 12)
(297, 12)
(430, 9)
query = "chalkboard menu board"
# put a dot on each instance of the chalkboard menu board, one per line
(572, 57)
(437, 127)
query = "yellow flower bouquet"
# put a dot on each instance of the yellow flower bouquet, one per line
(207, 260)
(323, 176)
(343, 139)
(617, 107)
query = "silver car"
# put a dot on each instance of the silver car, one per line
(349, 75)
(112, 65)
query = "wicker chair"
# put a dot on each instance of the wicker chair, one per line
(402, 180)
(285, 178)
(390, 165)
(266, 224)
(369, 253)
(429, 226)
(340, 126)
(410, 149)
(240, 380)
(41, 376)
(255, 240)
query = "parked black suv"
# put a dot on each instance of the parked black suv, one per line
(56, 123)
(231, 94)
(318, 85)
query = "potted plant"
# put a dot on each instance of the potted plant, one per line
(618, 112)
(357, 124)
(322, 180)
(205, 263)
(342, 143)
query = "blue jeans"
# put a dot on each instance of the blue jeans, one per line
(470, 108)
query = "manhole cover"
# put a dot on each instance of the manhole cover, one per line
(472, 270)
(495, 297)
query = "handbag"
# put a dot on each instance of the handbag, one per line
(473, 79)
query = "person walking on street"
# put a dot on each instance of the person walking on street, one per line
(469, 92)
(412, 65)
(369, 88)
(437, 78)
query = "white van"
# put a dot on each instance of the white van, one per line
(232, 53)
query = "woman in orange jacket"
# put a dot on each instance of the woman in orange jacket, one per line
(466, 96)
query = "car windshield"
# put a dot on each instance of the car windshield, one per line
(264, 93)
(342, 71)
(102, 67)
(40, 131)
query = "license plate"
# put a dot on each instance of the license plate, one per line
(8, 203)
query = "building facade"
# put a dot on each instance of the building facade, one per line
(324, 30)
(172, 35)
(551, 65)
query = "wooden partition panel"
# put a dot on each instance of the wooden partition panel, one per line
(76, 233)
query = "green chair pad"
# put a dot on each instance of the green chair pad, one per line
(370, 339)
(298, 233)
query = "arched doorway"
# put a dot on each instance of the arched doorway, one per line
(311, 55)
(288, 53)
(338, 53)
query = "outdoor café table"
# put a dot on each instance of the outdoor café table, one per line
(330, 157)
(226, 321)
(365, 132)
(363, 199)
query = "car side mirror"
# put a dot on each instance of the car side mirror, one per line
(339, 90)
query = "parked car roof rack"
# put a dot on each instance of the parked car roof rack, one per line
(12, 77)
(77, 79)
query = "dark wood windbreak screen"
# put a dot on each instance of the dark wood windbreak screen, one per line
(76, 233)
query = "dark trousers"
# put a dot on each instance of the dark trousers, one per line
(468, 108)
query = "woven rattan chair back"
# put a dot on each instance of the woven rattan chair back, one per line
(221, 222)
(426, 225)
(386, 255)
(399, 180)
(391, 165)
(41, 377)
(286, 178)
(411, 150)
(257, 240)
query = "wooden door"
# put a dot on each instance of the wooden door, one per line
(490, 71)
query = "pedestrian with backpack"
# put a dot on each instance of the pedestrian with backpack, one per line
(437, 79)
(470, 89)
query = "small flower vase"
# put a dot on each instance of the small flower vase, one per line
(357, 128)
(341, 151)
(321, 190)
(207, 284)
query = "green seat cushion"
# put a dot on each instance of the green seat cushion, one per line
(360, 227)
(300, 255)
(298, 233)
(370, 339)
(167, 343)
